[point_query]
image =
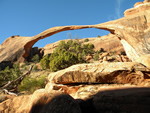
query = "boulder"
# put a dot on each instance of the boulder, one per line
(115, 72)
(24, 103)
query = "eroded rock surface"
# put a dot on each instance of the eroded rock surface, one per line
(116, 72)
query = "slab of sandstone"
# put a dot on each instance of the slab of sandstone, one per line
(106, 72)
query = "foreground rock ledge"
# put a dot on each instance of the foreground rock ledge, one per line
(135, 99)
(119, 73)
(115, 72)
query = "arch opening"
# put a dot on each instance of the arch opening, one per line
(72, 34)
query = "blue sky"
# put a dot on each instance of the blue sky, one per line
(30, 17)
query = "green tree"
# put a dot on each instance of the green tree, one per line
(31, 84)
(96, 56)
(45, 62)
(98, 36)
(67, 54)
(86, 40)
(9, 74)
(35, 58)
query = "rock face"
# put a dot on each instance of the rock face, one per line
(132, 30)
(111, 76)
(116, 72)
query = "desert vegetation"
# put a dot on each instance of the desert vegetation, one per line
(29, 84)
(9, 74)
(67, 54)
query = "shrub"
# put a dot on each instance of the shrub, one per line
(67, 54)
(32, 84)
(35, 58)
(45, 62)
(35, 68)
(10, 74)
(63, 60)
(96, 56)
(88, 49)
(26, 63)
(98, 36)
(86, 40)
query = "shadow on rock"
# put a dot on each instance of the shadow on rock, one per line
(63, 103)
(129, 100)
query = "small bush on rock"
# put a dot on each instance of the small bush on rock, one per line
(86, 40)
(96, 56)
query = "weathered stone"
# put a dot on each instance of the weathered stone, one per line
(23, 104)
(115, 72)
(87, 91)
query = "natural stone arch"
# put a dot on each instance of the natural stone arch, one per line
(132, 30)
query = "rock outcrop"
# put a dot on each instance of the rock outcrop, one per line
(132, 30)
(126, 100)
(77, 81)
(106, 73)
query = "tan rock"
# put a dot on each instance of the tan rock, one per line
(116, 72)
(145, 59)
(145, 1)
(23, 104)
(88, 91)
(89, 57)
(138, 3)
(105, 58)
